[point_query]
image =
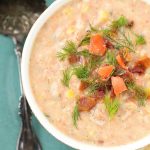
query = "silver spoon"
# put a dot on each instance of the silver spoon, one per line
(16, 19)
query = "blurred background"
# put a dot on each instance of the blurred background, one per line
(9, 93)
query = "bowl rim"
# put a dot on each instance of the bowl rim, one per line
(32, 102)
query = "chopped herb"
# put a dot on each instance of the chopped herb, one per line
(93, 29)
(122, 42)
(84, 53)
(106, 32)
(75, 115)
(121, 22)
(93, 87)
(69, 49)
(126, 38)
(82, 72)
(85, 41)
(112, 106)
(67, 74)
(140, 94)
(130, 84)
(111, 58)
(94, 61)
(140, 40)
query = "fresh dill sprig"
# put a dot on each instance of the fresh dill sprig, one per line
(82, 72)
(139, 91)
(122, 42)
(106, 32)
(116, 24)
(69, 49)
(84, 53)
(94, 29)
(140, 40)
(126, 38)
(112, 106)
(130, 84)
(85, 40)
(111, 59)
(94, 61)
(140, 95)
(75, 115)
(67, 74)
(93, 87)
(120, 22)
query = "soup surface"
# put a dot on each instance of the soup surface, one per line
(108, 120)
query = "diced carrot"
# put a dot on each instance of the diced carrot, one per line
(105, 71)
(121, 62)
(118, 85)
(97, 45)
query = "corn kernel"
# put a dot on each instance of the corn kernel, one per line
(70, 94)
(91, 133)
(70, 30)
(67, 11)
(104, 16)
(40, 97)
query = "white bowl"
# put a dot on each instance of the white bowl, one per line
(32, 102)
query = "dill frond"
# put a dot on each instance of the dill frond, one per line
(68, 49)
(112, 106)
(75, 115)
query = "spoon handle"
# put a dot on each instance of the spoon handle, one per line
(27, 139)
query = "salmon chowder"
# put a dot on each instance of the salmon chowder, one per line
(90, 70)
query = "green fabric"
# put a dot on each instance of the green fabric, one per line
(9, 98)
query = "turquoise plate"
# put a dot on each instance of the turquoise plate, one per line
(9, 99)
